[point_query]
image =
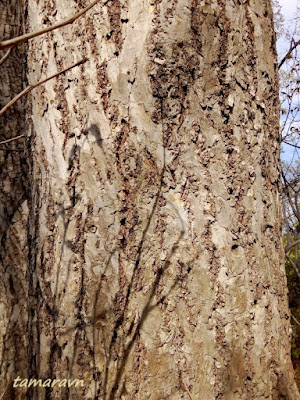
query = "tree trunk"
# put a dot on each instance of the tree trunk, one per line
(13, 209)
(155, 266)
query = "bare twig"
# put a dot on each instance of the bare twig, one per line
(289, 247)
(11, 139)
(287, 185)
(188, 391)
(31, 87)
(287, 56)
(293, 265)
(6, 391)
(291, 144)
(295, 319)
(27, 36)
(5, 57)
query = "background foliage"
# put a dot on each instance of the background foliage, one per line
(288, 34)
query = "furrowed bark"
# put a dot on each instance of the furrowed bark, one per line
(156, 267)
(13, 211)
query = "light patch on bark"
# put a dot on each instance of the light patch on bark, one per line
(155, 260)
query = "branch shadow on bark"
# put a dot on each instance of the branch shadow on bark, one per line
(134, 331)
(117, 341)
(96, 374)
(147, 309)
(120, 320)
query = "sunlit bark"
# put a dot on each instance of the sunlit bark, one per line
(156, 268)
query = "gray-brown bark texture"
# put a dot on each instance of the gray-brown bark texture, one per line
(13, 210)
(155, 266)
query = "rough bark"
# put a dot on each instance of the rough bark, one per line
(156, 266)
(13, 209)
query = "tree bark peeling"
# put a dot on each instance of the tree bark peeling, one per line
(155, 256)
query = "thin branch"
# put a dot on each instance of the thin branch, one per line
(285, 221)
(295, 319)
(10, 140)
(293, 265)
(287, 56)
(31, 87)
(6, 391)
(287, 184)
(27, 36)
(291, 144)
(6, 55)
(288, 248)
(296, 200)
(289, 110)
(188, 391)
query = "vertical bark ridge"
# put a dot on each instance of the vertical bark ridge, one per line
(13, 208)
(155, 258)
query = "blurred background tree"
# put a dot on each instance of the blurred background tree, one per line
(289, 61)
